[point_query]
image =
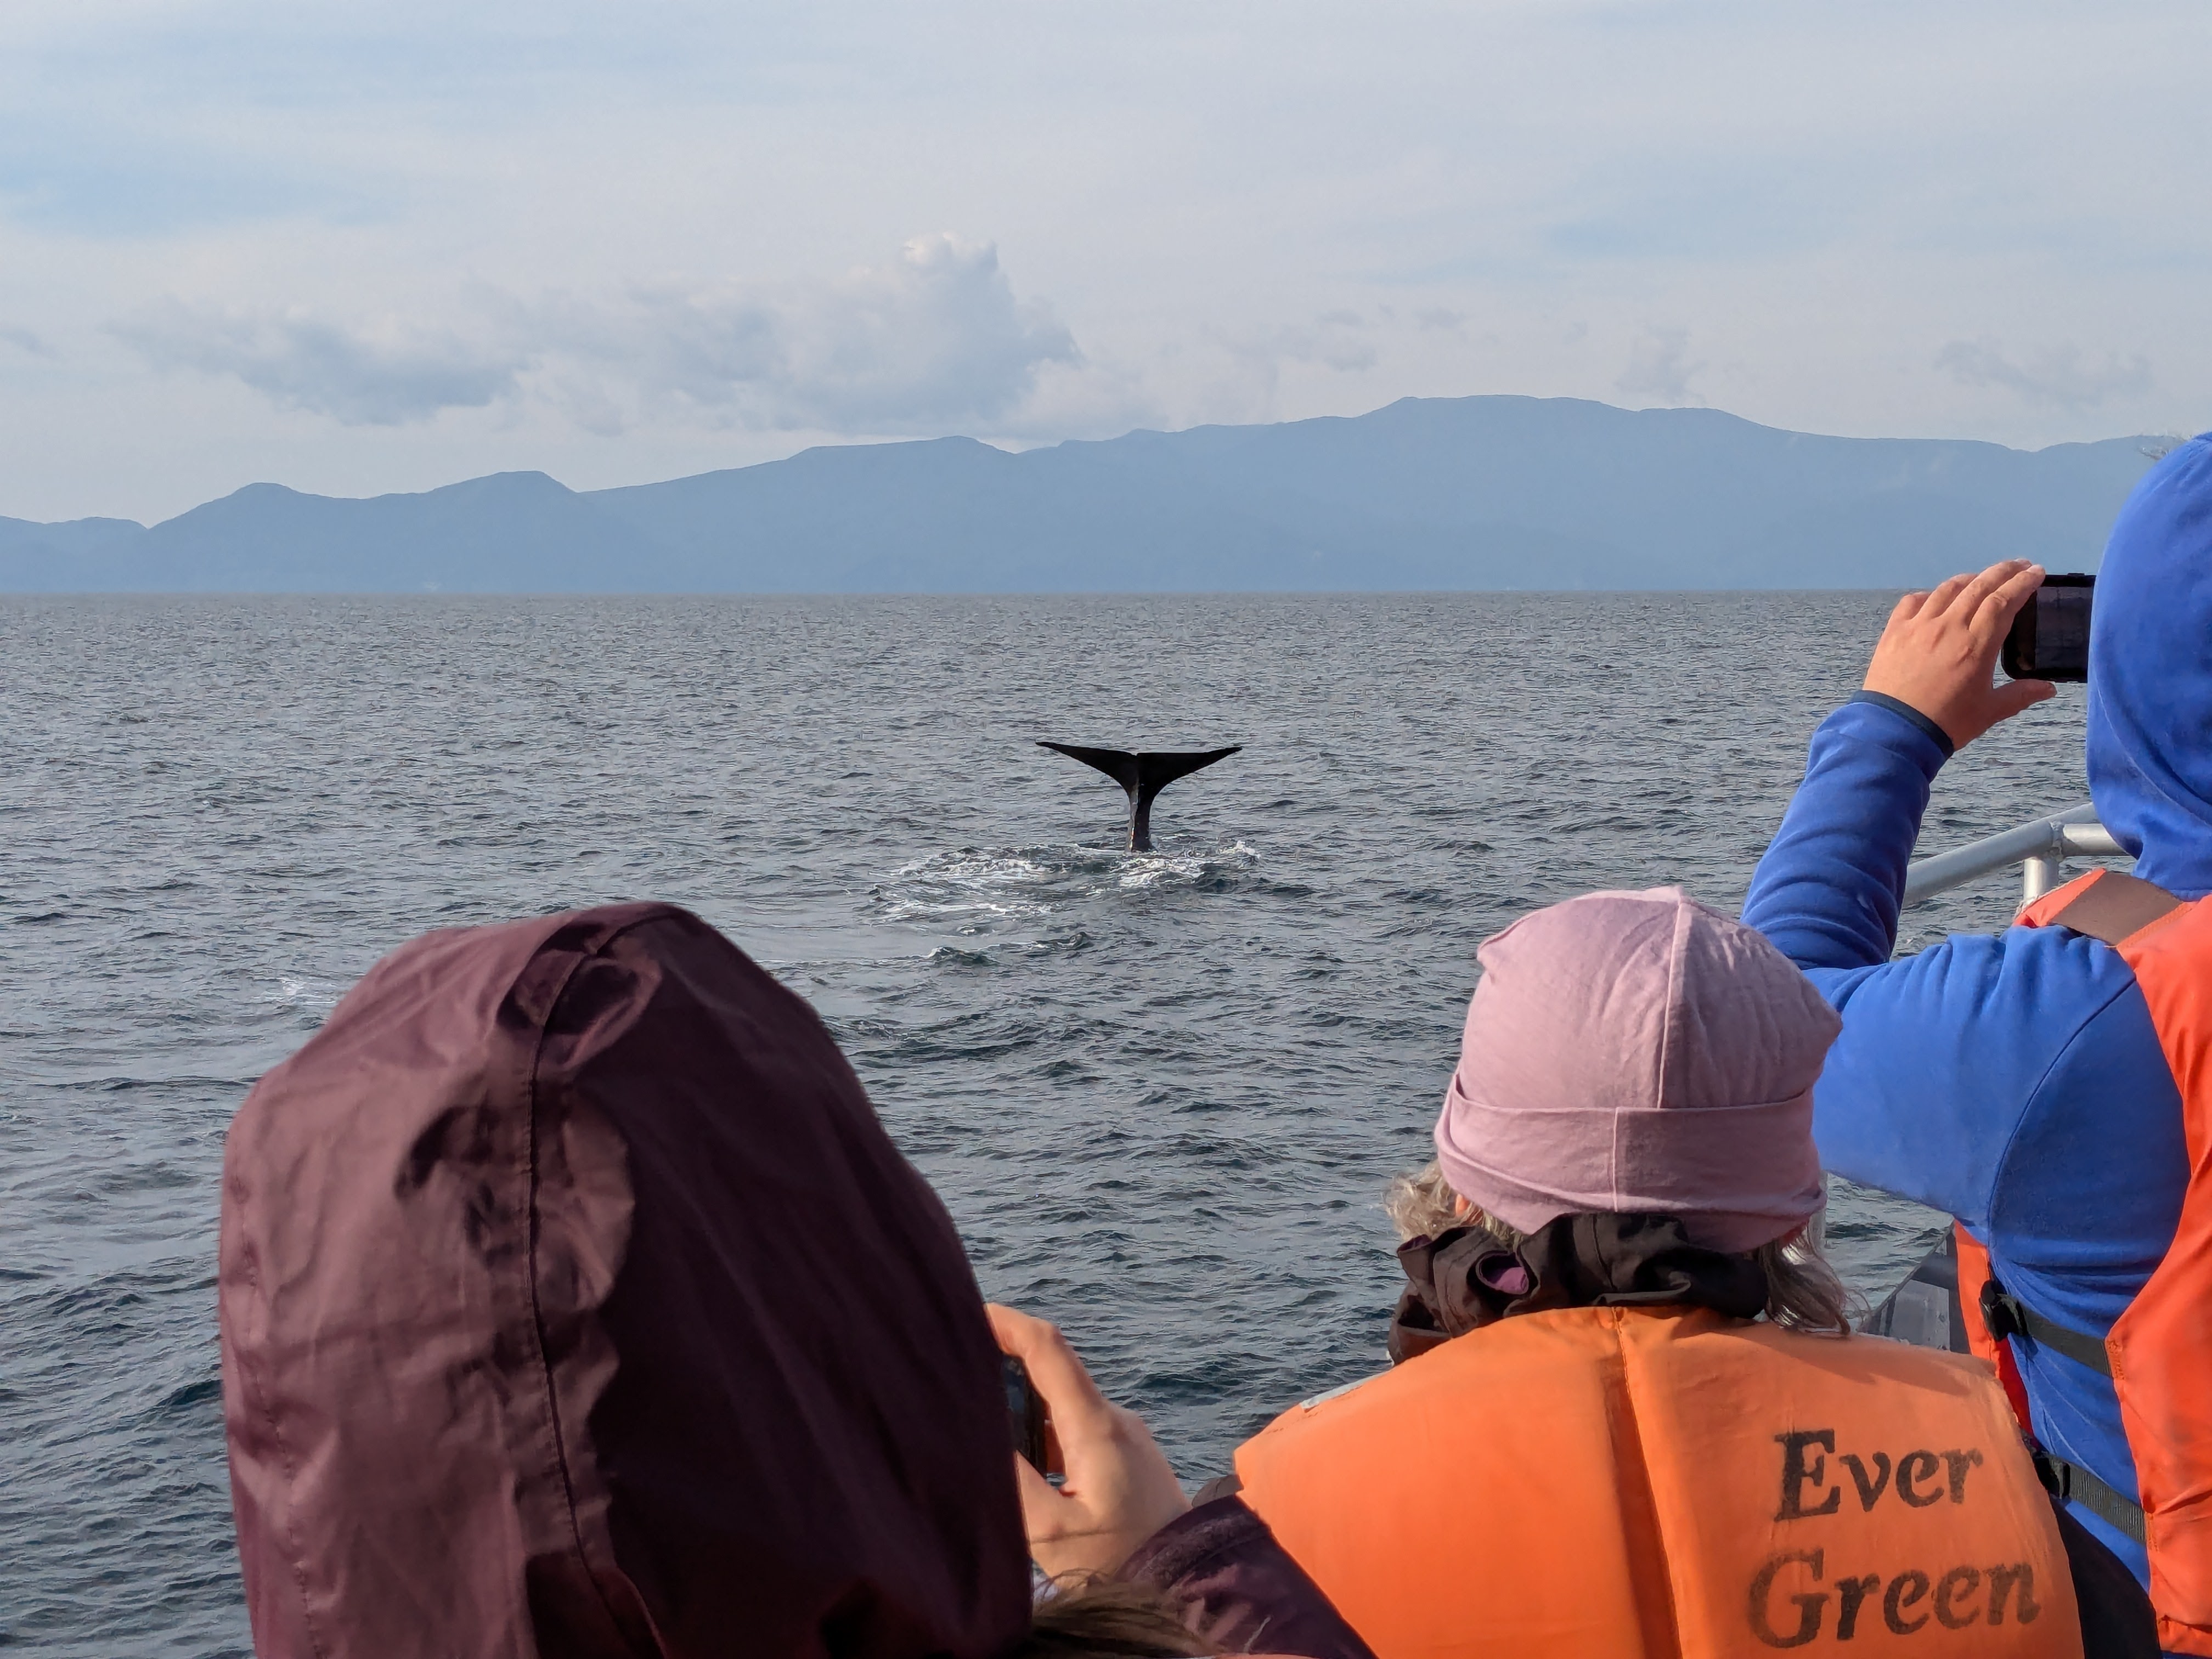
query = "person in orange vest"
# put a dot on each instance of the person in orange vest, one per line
(1630, 1418)
(2046, 1085)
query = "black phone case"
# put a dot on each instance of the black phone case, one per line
(1024, 1413)
(2019, 656)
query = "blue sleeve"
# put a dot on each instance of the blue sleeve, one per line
(2016, 1081)
(1827, 891)
(1942, 1053)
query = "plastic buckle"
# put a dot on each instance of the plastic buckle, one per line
(2000, 1313)
(2055, 1474)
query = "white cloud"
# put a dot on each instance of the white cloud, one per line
(1338, 339)
(935, 339)
(381, 374)
(2058, 376)
(1659, 368)
(1241, 374)
(621, 224)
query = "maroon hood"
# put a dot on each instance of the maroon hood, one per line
(574, 1304)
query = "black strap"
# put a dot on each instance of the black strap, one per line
(2006, 1314)
(2076, 1485)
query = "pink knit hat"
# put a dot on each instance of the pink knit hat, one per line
(1638, 1052)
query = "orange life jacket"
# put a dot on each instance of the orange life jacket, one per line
(2159, 1352)
(1633, 1481)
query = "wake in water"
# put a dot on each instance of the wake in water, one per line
(978, 889)
(306, 994)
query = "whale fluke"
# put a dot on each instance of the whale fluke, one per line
(1143, 774)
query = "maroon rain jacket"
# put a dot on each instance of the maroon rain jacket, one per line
(574, 1304)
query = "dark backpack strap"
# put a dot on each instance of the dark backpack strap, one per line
(2114, 906)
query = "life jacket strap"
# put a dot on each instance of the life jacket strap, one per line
(2076, 1485)
(2006, 1314)
(2114, 908)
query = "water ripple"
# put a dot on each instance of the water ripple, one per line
(1160, 1093)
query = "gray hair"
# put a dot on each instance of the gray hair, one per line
(1802, 1290)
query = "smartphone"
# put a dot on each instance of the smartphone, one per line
(2050, 638)
(1024, 1411)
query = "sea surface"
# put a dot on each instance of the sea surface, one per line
(1161, 1093)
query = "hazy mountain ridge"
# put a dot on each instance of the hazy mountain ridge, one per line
(1460, 493)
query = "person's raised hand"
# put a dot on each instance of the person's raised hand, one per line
(1939, 653)
(1118, 1489)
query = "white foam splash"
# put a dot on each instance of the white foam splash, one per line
(976, 889)
(308, 994)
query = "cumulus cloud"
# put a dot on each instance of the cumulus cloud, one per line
(382, 374)
(2057, 376)
(1339, 340)
(937, 337)
(1659, 368)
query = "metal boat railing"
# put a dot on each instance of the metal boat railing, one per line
(2040, 848)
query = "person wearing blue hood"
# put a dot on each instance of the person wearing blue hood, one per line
(2026, 1082)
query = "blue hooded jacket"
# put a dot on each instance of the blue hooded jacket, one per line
(2016, 1081)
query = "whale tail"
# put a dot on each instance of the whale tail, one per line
(1143, 774)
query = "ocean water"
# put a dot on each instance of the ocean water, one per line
(1161, 1094)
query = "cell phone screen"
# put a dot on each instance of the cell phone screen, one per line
(1024, 1411)
(2049, 638)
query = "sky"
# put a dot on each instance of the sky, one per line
(363, 247)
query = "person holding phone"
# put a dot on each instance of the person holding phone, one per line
(573, 1302)
(2049, 1087)
(1113, 1508)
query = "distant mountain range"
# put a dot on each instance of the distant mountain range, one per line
(1427, 494)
